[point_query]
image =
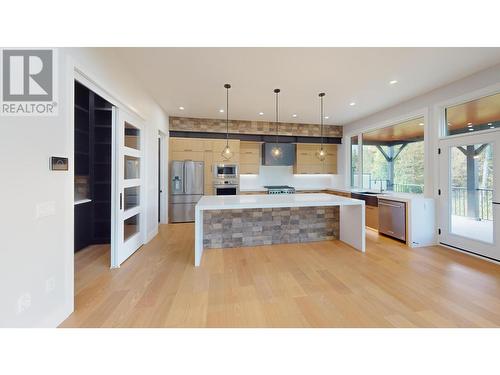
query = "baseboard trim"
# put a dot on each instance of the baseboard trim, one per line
(152, 234)
(471, 253)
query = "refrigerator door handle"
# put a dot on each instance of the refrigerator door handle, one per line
(186, 182)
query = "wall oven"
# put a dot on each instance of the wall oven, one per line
(226, 189)
(225, 170)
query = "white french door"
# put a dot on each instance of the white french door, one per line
(469, 201)
(129, 193)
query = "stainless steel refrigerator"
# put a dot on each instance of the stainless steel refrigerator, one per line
(186, 189)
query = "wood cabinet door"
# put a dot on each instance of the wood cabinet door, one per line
(250, 152)
(186, 144)
(371, 217)
(249, 168)
(188, 155)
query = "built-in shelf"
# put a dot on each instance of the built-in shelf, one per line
(82, 201)
(80, 108)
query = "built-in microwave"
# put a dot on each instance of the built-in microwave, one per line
(225, 170)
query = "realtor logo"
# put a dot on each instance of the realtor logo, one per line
(28, 82)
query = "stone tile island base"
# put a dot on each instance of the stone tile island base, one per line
(266, 226)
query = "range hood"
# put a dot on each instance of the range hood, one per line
(288, 157)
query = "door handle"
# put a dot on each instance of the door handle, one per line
(389, 205)
(496, 202)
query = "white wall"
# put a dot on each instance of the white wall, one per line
(284, 176)
(37, 253)
(480, 83)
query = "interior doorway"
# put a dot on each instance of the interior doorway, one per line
(93, 125)
(162, 178)
(469, 216)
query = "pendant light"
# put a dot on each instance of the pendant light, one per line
(321, 153)
(227, 153)
(276, 151)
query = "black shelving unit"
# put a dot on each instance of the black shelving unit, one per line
(93, 127)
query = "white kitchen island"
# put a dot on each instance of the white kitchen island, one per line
(351, 214)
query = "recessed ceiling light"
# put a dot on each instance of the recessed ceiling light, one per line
(261, 113)
(352, 104)
(294, 115)
(221, 110)
(469, 123)
(327, 117)
(393, 82)
(421, 123)
(471, 130)
(181, 108)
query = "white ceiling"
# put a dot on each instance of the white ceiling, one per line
(194, 78)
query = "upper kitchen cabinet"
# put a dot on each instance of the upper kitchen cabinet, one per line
(187, 149)
(250, 157)
(308, 163)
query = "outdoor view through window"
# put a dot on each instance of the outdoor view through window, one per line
(393, 158)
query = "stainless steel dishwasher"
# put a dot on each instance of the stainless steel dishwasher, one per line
(392, 218)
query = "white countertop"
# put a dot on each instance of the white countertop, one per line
(228, 202)
(401, 197)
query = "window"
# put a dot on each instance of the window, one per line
(393, 158)
(475, 115)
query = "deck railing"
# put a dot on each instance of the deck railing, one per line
(484, 202)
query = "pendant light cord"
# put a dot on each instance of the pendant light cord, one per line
(277, 91)
(321, 95)
(227, 116)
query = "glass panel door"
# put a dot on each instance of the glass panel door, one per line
(129, 196)
(469, 214)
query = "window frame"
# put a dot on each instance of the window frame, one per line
(424, 113)
(440, 110)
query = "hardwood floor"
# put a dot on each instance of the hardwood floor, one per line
(321, 284)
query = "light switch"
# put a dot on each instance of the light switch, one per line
(45, 209)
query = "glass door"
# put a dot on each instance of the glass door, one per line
(469, 195)
(129, 192)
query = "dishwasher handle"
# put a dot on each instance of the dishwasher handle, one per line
(380, 203)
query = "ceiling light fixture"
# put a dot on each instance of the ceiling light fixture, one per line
(489, 124)
(276, 151)
(294, 115)
(471, 130)
(469, 123)
(221, 110)
(327, 117)
(393, 82)
(227, 153)
(320, 154)
(469, 126)
(421, 123)
(261, 113)
(352, 104)
(181, 108)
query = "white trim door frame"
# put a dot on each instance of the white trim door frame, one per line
(479, 237)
